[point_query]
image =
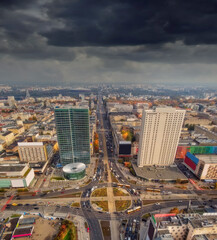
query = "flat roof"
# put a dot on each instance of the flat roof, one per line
(74, 168)
(207, 158)
(11, 167)
(167, 173)
(70, 107)
(6, 133)
(22, 231)
(29, 144)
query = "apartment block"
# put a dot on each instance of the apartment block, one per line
(159, 136)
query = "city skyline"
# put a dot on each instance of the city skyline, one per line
(78, 42)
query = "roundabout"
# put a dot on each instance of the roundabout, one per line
(99, 200)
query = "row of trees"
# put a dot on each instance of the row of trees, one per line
(96, 143)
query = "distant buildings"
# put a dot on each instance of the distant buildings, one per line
(73, 134)
(8, 137)
(159, 136)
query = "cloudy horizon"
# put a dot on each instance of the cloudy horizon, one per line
(64, 42)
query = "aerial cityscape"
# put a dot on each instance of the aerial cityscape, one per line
(108, 162)
(108, 120)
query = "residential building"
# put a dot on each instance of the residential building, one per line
(8, 137)
(159, 136)
(73, 134)
(182, 226)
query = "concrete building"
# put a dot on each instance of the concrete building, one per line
(73, 134)
(182, 227)
(203, 166)
(34, 152)
(8, 137)
(15, 175)
(159, 136)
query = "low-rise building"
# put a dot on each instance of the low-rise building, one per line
(34, 152)
(182, 227)
(203, 166)
(8, 137)
(15, 175)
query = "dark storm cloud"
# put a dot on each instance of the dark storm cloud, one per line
(137, 22)
(134, 30)
(15, 4)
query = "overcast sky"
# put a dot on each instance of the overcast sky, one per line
(61, 42)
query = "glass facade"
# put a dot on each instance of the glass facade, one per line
(73, 134)
(74, 176)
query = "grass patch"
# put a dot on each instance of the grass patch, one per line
(57, 178)
(15, 215)
(72, 195)
(100, 192)
(27, 172)
(105, 225)
(122, 205)
(102, 204)
(22, 190)
(114, 179)
(181, 187)
(75, 204)
(119, 192)
(146, 216)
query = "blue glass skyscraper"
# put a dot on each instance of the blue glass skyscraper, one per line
(73, 134)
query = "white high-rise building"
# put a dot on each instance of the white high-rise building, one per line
(159, 136)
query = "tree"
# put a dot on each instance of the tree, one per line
(178, 180)
(174, 210)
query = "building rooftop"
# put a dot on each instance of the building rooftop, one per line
(70, 107)
(167, 173)
(212, 159)
(29, 144)
(204, 222)
(11, 167)
(6, 133)
(74, 167)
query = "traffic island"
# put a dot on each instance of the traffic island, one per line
(122, 205)
(76, 204)
(100, 192)
(118, 192)
(100, 205)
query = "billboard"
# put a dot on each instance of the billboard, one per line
(191, 161)
(182, 150)
(124, 148)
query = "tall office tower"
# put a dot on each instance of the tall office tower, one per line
(159, 136)
(73, 134)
